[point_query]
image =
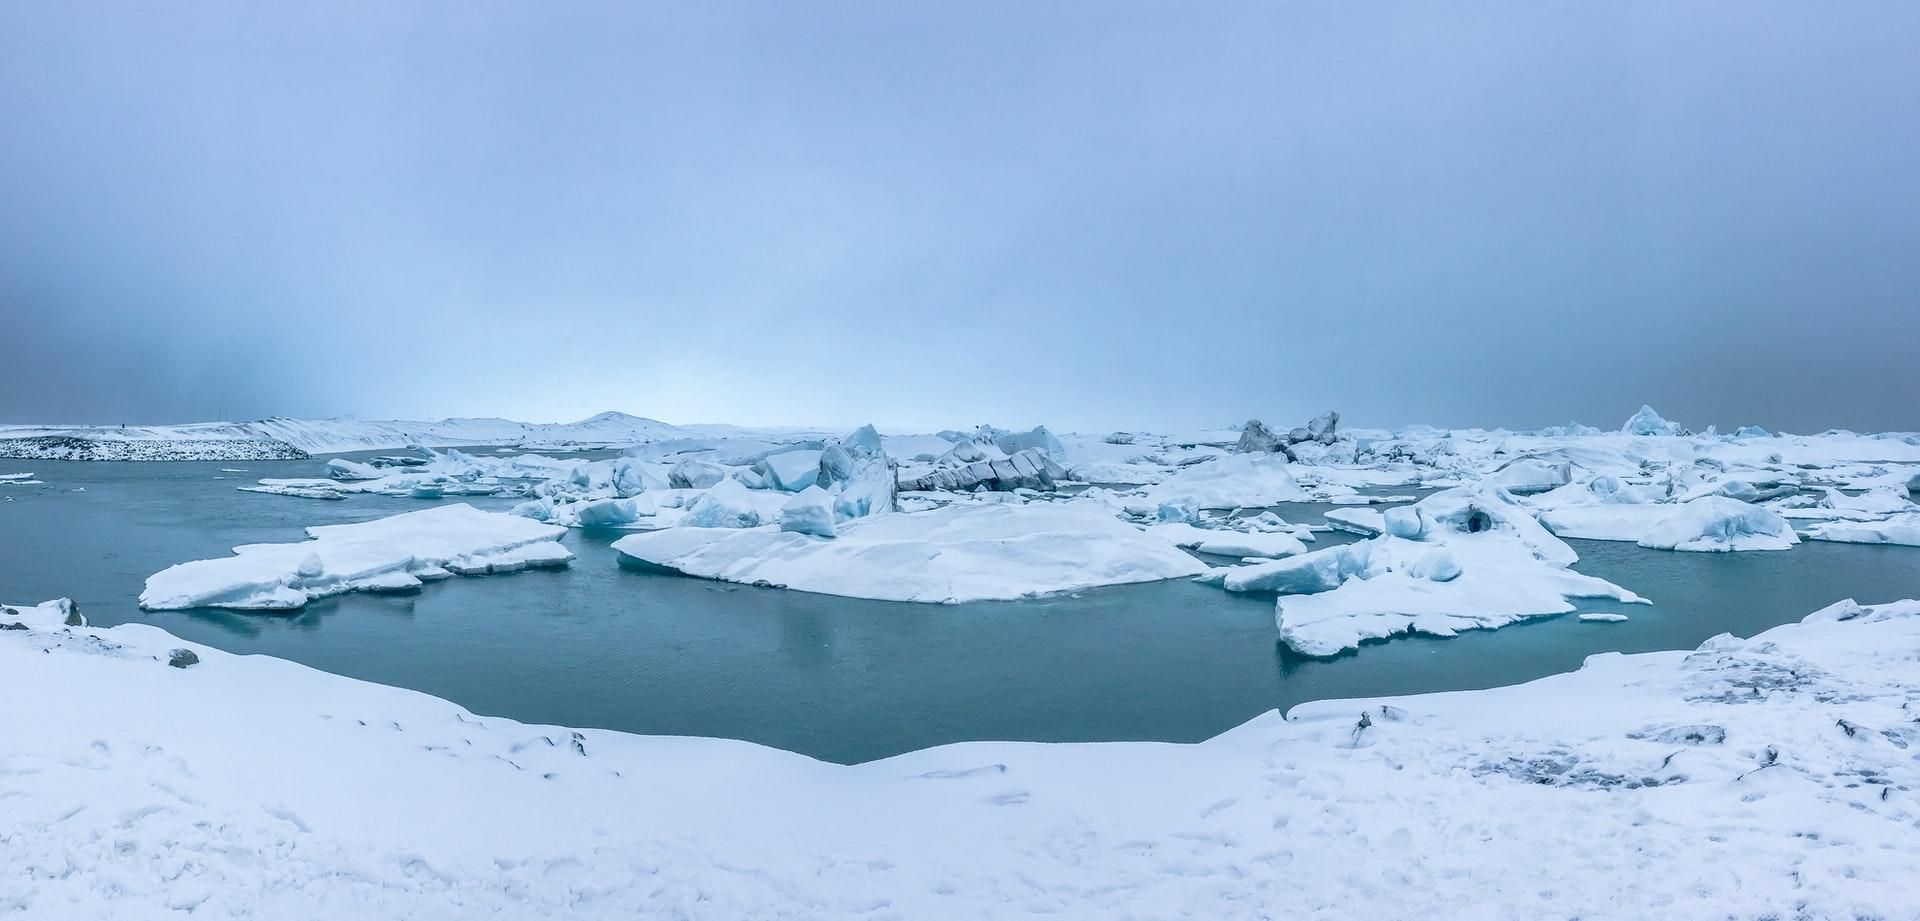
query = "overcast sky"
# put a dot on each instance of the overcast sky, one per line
(1099, 215)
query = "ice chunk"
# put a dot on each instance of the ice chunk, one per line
(951, 554)
(1222, 542)
(865, 441)
(1898, 529)
(1719, 524)
(296, 491)
(1256, 438)
(727, 504)
(342, 469)
(1531, 475)
(810, 511)
(1236, 481)
(1321, 428)
(1028, 469)
(1037, 440)
(695, 474)
(351, 557)
(790, 471)
(1365, 522)
(1183, 512)
(1473, 559)
(1648, 422)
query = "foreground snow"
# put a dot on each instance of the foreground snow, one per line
(396, 553)
(1750, 778)
(948, 555)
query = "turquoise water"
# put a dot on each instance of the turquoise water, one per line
(603, 646)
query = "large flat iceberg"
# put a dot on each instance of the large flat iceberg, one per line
(1234, 481)
(387, 554)
(957, 553)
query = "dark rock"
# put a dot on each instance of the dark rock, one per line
(182, 658)
(16, 625)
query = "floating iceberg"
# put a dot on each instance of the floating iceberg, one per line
(1648, 422)
(947, 555)
(385, 554)
(1530, 475)
(695, 474)
(1224, 542)
(1719, 524)
(1029, 468)
(810, 511)
(1234, 481)
(790, 471)
(1456, 560)
(1903, 529)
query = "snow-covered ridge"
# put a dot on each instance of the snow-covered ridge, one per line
(1728, 781)
(280, 437)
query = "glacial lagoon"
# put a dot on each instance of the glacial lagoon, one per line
(840, 679)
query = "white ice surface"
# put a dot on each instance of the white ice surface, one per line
(350, 557)
(1232, 481)
(1224, 542)
(1457, 560)
(952, 554)
(1903, 529)
(1719, 524)
(1747, 779)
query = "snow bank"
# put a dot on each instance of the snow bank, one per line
(947, 555)
(387, 554)
(1728, 781)
(1456, 560)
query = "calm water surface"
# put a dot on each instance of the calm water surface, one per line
(845, 680)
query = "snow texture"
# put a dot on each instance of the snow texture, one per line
(946, 555)
(1770, 777)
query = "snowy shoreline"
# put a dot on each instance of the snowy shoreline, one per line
(1742, 778)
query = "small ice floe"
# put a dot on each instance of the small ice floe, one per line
(1603, 618)
(298, 492)
(19, 479)
(387, 554)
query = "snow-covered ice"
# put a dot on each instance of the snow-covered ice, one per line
(1709, 523)
(1457, 560)
(1717, 523)
(385, 554)
(1747, 778)
(1903, 529)
(1228, 542)
(948, 555)
(1232, 481)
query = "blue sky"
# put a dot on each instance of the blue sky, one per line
(1091, 215)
